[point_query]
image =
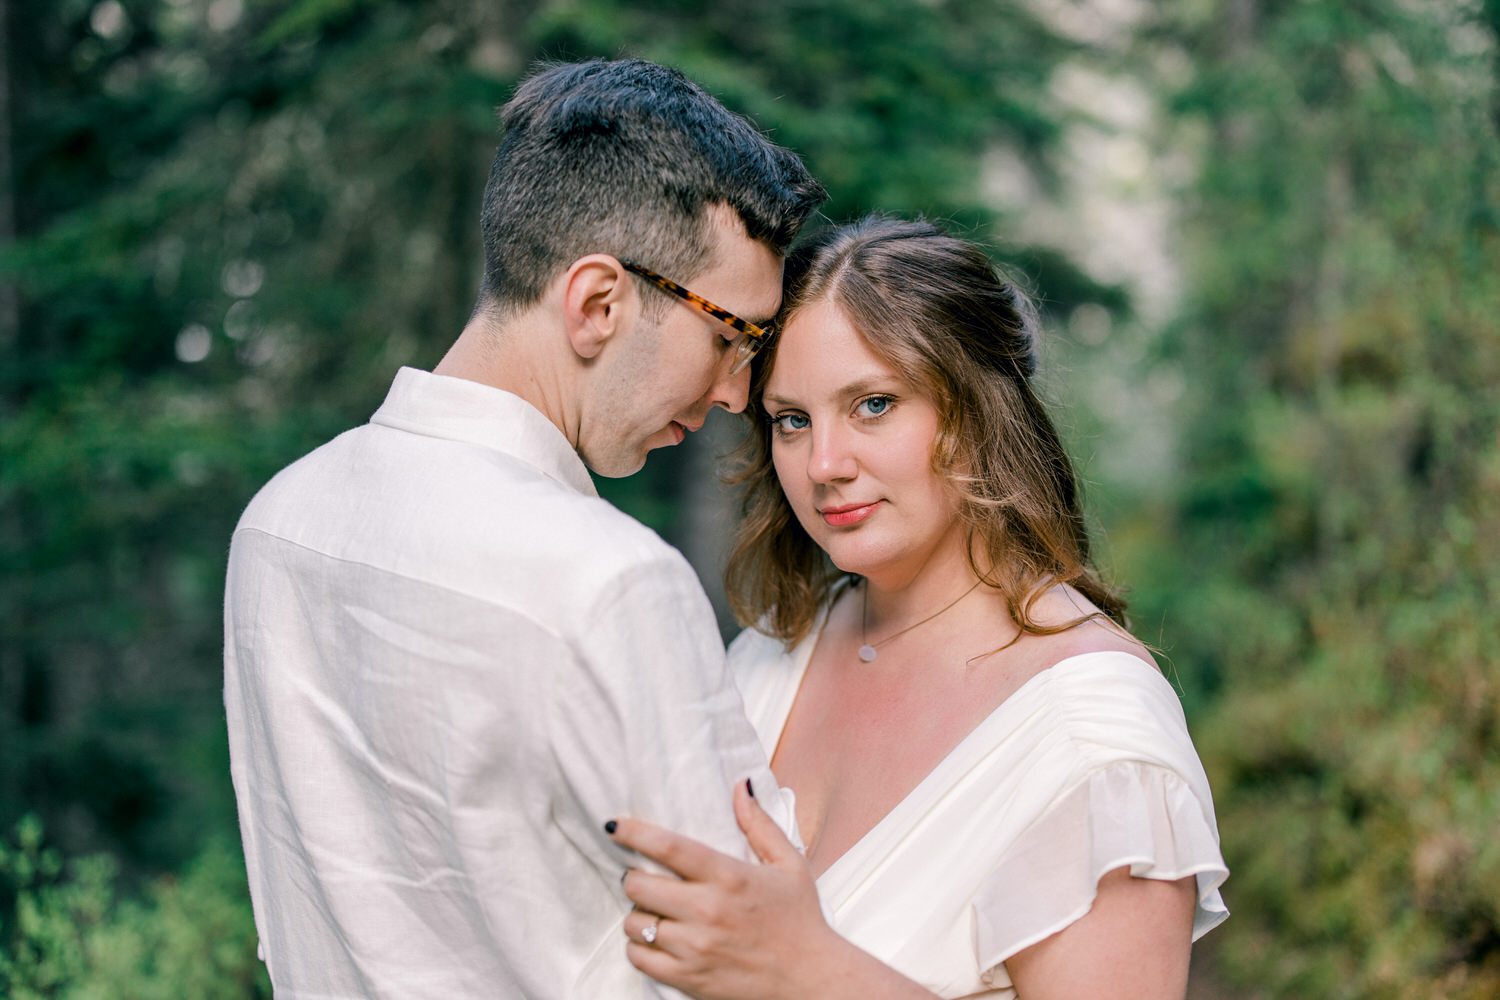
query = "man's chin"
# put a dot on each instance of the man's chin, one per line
(621, 463)
(617, 469)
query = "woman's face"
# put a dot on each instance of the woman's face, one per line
(852, 440)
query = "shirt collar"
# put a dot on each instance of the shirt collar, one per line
(460, 410)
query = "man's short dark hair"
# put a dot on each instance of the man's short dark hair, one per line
(624, 157)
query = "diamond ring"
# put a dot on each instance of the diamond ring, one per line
(649, 934)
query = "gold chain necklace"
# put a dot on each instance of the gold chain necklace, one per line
(869, 650)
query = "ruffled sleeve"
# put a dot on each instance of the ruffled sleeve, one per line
(1125, 813)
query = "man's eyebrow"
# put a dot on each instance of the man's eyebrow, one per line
(762, 321)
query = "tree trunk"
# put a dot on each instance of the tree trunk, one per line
(11, 661)
(708, 515)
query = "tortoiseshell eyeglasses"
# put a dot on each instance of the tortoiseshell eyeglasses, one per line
(751, 339)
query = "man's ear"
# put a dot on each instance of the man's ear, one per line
(598, 298)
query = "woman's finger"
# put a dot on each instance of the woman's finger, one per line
(648, 945)
(767, 840)
(644, 927)
(655, 962)
(681, 855)
(664, 894)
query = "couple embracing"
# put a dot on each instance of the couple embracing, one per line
(484, 739)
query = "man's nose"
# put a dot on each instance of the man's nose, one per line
(730, 391)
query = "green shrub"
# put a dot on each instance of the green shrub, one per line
(70, 932)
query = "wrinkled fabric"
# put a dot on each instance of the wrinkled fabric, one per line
(447, 663)
(1086, 768)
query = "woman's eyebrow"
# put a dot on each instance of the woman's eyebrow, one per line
(859, 388)
(856, 388)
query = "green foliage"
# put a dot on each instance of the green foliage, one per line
(1333, 556)
(889, 103)
(69, 935)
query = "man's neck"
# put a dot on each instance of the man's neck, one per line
(512, 356)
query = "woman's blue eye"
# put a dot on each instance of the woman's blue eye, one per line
(876, 406)
(788, 422)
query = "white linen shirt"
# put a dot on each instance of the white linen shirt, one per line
(447, 663)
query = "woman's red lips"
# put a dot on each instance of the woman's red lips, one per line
(847, 515)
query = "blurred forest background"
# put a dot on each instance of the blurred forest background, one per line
(1267, 237)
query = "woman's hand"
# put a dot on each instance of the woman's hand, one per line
(726, 929)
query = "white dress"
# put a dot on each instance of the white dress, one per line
(1087, 767)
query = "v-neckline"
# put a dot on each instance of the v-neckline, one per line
(840, 875)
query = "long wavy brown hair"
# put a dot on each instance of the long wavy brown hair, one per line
(933, 307)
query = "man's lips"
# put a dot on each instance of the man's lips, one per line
(681, 430)
(847, 515)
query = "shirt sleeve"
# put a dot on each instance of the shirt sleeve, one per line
(646, 721)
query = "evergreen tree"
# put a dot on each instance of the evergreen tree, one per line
(1336, 546)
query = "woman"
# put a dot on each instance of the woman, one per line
(994, 782)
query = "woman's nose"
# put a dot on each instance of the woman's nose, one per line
(832, 458)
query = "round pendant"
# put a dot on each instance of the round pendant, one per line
(867, 653)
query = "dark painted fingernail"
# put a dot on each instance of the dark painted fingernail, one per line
(749, 788)
(610, 827)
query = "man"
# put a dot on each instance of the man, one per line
(447, 661)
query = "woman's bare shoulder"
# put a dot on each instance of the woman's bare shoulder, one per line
(1063, 604)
